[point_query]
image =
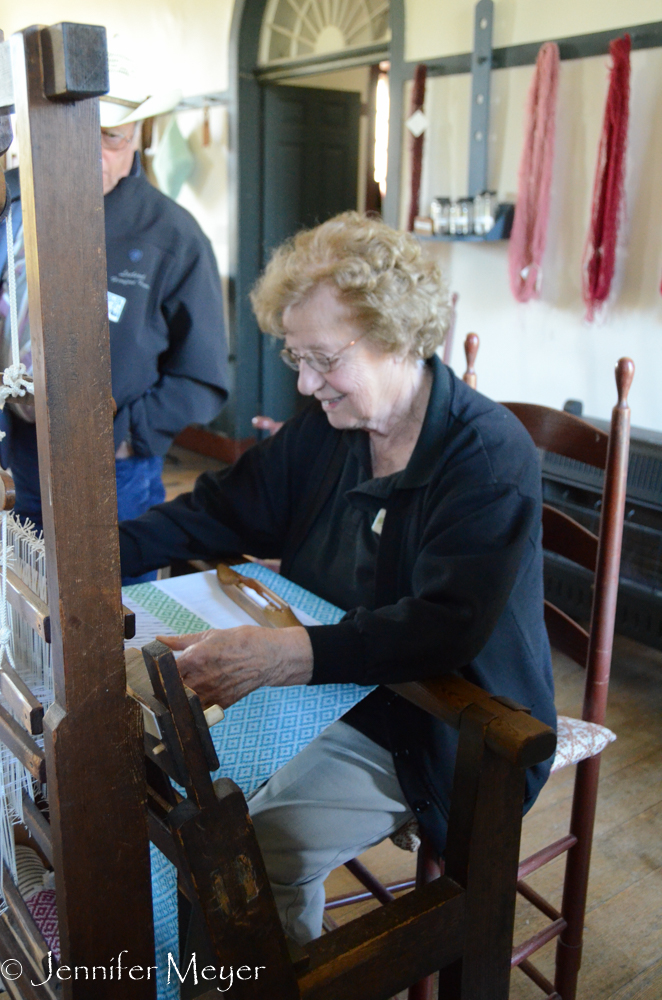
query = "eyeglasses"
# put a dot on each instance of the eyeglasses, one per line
(322, 363)
(116, 140)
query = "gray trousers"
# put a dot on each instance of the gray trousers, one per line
(337, 797)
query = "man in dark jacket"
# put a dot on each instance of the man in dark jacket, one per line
(165, 310)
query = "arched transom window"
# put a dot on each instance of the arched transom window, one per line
(299, 29)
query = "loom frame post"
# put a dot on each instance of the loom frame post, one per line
(93, 738)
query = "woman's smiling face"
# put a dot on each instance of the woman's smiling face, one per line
(362, 390)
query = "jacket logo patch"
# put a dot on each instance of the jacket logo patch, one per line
(135, 255)
(116, 305)
(132, 278)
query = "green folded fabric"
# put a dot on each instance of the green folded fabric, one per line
(173, 161)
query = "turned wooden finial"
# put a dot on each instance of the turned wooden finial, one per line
(7, 491)
(624, 376)
(471, 345)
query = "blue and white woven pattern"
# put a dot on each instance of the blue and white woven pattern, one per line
(257, 736)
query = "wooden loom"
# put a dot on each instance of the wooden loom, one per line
(102, 812)
(96, 834)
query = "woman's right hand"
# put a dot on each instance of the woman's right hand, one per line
(267, 424)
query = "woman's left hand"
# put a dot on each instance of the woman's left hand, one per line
(224, 665)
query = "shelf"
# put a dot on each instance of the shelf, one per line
(499, 231)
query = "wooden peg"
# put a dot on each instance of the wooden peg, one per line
(624, 376)
(471, 345)
(206, 130)
(7, 491)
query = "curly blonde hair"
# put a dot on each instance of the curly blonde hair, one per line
(393, 290)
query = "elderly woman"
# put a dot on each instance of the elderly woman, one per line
(403, 497)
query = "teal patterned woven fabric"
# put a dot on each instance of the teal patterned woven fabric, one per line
(258, 735)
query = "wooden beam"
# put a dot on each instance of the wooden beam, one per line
(92, 732)
(22, 746)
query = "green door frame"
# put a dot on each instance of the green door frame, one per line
(246, 110)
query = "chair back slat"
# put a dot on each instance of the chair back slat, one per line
(563, 433)
(566, 537)
(566, 635)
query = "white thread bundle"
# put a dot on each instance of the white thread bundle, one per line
(31, 658)
(24, 649)
(14, 381)
(29, 555)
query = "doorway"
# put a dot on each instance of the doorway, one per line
(258, 118)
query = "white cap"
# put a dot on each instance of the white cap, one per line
(126, 102)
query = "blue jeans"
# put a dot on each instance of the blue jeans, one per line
(139, 487)
(139, 484)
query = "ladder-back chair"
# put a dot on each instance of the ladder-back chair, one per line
(580, 741)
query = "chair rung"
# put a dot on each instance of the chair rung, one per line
(541, 981)
(537, 941)
(372, 884)
(329, 924)
(359, 897)
(547, 854)
(538, 901)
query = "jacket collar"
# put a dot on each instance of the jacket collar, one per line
(427, 449)
(435, 425)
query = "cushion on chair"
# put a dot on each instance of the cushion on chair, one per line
(407, 838)
(579, 740)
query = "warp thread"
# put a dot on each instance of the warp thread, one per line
(529, 233)
(13, 378)
(600, 252)
(30, 656)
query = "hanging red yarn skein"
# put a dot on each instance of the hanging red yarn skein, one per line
(600, 252)
(416, 143)
(529, 235)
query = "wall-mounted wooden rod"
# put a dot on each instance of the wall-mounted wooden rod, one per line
(596, 43)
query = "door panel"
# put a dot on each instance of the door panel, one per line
(310, 169)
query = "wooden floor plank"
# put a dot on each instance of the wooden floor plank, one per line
(646, 986)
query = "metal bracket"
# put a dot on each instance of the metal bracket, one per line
(481, 69)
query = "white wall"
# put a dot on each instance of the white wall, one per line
(174, 45)
(177, 44)
(435, 28)
(545, 351)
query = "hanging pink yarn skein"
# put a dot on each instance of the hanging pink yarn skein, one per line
(529, 233)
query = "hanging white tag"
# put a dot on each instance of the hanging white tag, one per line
(378, 523)
(417, 123)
